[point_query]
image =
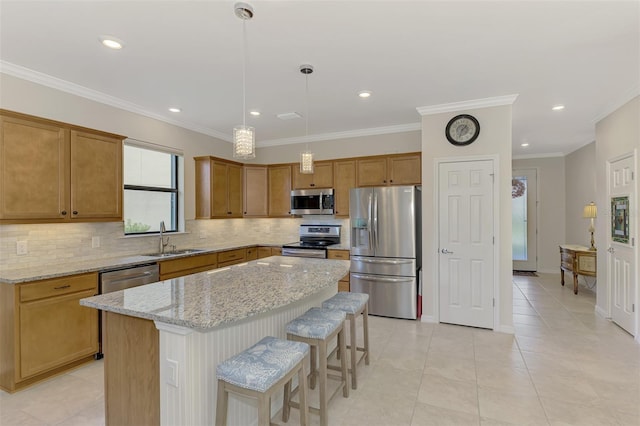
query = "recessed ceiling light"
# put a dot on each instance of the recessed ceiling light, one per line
(254, 113)
(174, 109)
(524, 145)
(111, 42)
(364, 94)
(558, 107)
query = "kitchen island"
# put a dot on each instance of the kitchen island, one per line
(163, 341)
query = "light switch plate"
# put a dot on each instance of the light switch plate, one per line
(172, 372)
(22, 248)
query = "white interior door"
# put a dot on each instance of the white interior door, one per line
(466, 252)
(621, 236)
(524, 198)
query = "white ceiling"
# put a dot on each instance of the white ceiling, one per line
(585, 55)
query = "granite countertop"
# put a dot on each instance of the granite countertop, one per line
(214, 298)
(65, 268)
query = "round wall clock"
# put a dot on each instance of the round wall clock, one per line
(462, 130)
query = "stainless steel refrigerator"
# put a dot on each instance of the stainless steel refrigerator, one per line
(386, 253)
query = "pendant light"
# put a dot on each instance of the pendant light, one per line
(306, 157)
(244, 143)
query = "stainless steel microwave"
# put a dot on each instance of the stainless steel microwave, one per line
(312, 201)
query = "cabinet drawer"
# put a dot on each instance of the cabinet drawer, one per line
(171, 266)
(58, 287)
(252, 253)
(338, 254)
(230, 262)
(225, 256)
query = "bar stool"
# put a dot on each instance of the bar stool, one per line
(353, 304)
(259, 372)
(317, 327)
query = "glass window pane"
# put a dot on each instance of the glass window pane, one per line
(519, 220)
(144, 210)
(145, 167)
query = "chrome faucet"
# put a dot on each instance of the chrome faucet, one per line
(163, 244)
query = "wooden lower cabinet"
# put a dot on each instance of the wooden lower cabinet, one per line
(344, 283)
(231, 257)
(188, 265)
(44, 330)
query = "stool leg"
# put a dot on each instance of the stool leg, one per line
(264, 410)
(314, 369)
(365, 325)
(322, 348)
(286, 408)
(354, 348)
(302, 386)
(343, 362)
(221, 405)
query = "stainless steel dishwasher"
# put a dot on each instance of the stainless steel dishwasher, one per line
(121, 279)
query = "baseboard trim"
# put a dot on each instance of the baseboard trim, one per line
(429, 319)
(507, 329)
(601, 312)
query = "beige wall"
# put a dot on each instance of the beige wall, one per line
(551, 208)
(580, 185)
(616, 135)
(494, 142)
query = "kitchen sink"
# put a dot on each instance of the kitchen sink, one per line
(174, 253)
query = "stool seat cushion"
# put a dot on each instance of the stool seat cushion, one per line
(263, 364)
(347, 302)
(316, 323)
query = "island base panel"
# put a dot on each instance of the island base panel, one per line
(132, 379)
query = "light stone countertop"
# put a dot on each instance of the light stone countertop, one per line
(66, 268)
(218, 297)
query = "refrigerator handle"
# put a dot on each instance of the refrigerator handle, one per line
(370, 213)
(375, 220)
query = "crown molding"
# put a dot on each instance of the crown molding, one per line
(534, 156)
(94, 95)
(410, 127)
(464, 105)
(625, 97)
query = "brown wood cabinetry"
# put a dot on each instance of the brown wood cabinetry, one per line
(322, 176)
(231, 257)
(218, 188)
(187, 265)
(276, 251)
(397, 169)
(44, 330)
(269, 251)
(255, 191)
(252, 253)
(57, 172)
(280, 190)
(344, 283)
(344, 178)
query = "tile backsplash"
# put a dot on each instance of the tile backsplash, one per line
(55, 243)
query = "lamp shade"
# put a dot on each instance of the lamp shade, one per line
(244, 145)
(590, 210)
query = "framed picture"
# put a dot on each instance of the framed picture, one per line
(620, 219)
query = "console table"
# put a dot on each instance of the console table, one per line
(578, 260)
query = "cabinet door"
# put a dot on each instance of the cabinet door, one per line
(264, 252)
(279, 191)
(96, 176)
(219, 186)
(234, 190)
(405, 170)
(322, 176)
(56, 331)
(34, 178)
(203, 187)
(255, 191)
(344, 179)
(372, 171)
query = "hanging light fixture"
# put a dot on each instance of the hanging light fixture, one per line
(244, 141)
(306, 157)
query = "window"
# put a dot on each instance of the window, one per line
(150, 190)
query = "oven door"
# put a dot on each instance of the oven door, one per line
(304, 252)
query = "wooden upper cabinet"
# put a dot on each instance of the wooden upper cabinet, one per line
(322, 176)
(255, 191)
(280, 190)
(397, 169)
(218, 188)
(49, 170)
(405, 169)
(372, 171)
(96, 176)
(344, 178)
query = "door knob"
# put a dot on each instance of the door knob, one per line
(611, 250)
(445, 251)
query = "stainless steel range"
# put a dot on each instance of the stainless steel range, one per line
(314, 240)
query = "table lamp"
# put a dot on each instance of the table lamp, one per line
(591, 212)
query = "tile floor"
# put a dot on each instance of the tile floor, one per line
(564, 366)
